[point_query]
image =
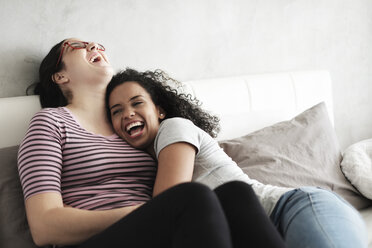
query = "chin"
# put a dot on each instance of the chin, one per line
(107, 74)
(137, 145)
(109, 71)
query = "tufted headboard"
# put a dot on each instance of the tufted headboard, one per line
(247, 103)
(243, 103)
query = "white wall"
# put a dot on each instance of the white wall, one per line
(194, 39)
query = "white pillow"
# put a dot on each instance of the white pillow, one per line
(357, 166)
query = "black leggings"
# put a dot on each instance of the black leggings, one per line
(191, 215)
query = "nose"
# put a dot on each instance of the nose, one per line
(92, 46)
(128, 114)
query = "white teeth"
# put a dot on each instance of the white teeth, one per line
(133, 124)
(94, 57)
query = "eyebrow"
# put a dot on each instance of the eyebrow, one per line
(131, 99)
(135, 97)
(114, 106)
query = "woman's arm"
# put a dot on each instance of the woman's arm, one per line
(40, 163)
(52, 223)
(175, 165)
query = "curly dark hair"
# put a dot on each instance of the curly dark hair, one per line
(158, 84)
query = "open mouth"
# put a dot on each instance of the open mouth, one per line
(134, 128)
(95, 58)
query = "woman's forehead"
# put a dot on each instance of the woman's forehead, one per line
(73, 39)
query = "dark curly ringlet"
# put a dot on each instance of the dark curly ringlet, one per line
(157, 84)
(50, 93)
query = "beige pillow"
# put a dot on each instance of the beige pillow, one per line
(14, 230)
(303, 151)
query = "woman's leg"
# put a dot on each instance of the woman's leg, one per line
(187, 215)
(316, 218)
(249, 224)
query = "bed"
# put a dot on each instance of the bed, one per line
(277, 126)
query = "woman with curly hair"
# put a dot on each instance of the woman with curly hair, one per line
(150, 115)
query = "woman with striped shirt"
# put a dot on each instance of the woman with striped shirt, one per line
(85, 187)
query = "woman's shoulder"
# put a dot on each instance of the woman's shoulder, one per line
(176, 121)
(178, 125)
(178, 129)
(53, 118)
(51, 113)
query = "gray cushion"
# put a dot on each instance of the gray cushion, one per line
(14, 231)
(303, 151)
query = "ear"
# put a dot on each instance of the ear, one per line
(161, 113)
(60, 78)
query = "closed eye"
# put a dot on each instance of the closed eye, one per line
(136, 103)
(116, 111)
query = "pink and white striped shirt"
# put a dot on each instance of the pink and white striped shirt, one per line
(90, 171)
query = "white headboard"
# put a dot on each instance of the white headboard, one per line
(244, 103)
(248, 103)
(15, 115)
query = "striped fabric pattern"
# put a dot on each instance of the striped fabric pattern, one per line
(90, 171)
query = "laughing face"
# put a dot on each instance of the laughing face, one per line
(134, 116)
(85, 60)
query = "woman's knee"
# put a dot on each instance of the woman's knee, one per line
(192, 188)
(304, 201)
(323, 195)
(197, 199)
(322, 204)
(235, 188)
(191, 192)
(324, 215)
(239, 196)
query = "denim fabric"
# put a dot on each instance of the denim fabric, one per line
(317, 218)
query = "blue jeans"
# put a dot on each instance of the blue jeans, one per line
(316, 218)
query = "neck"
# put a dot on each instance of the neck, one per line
(89, 109)
(150, 150)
